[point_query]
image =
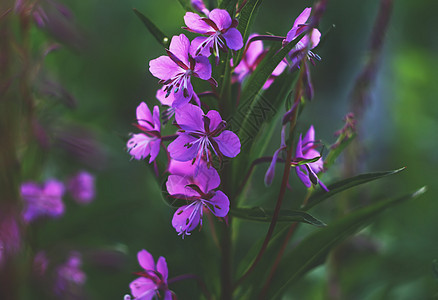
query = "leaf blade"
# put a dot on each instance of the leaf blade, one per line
(153, 29)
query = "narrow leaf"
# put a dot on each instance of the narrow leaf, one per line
(286, 215)
(313, 250)
(345, 184)
(186, 5)
(334, 153)
(154, 30)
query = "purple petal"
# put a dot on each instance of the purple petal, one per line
(54, 188)
(168, 295)
(139, 146)
(254, 50)
(164, 68)
(207, 178)
(180, 47)
(180, 98)
(221, 204)
(215, 119)
(146, 260)
(269, 176)
(143, 288)
(190, 118)
(309, 138)
(203, 67)
(162, 267)
(161, 96)
(221, 17)
(279, 69)
(178, 185)
(183, 168)
(155, 149)
(234, 39)
(195, 45)
(156, 119)
(303, 176)
(180, 150)
(30, 189)
(303, 17)
(81, 187)
(229, 143)
(315, 38)
(186, 218)
(299, 149)
(144, 116)
(194, 22)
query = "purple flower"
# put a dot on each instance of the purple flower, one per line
(169, 100)
(142, 144)
(306, 150)
(308, 42)
(10, 237)
(253, 55)
(153, 280)
(42, 200)
(220, 30)
(200, 6)
(199, 133)
(200, 195)
(69, 276)
(177, 68)
(81, 187)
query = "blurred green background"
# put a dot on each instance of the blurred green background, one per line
(109, 77)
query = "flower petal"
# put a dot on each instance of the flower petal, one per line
(309, 138)
(139, 146)
(229, 143)
(156, 119)
(178, 185)
(303, 17)
(194, 22)
(186, 218)
(164, 68)
(155, 149)
(221, 204)
(180, 47)
(180, 98)
(304, 177)
(207, 178)
(180, 150)
(183, 168)
(234, 39)
(144, 116)
(146, 260)
(215, 119)
(221, 17)
(162, 267)
(161, 96)
(203, 67)
(143, 288)
(196, 43)
(190, 118)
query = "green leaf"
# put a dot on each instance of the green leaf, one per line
(246, 19)
(313, 250)
(286, 215)
(334, 153)
(345, 184)
(154, 30)
(229, 5)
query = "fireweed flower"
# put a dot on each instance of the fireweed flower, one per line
(81, 187)
(177, 68)
(308, 42)
(200, 6)
(254, 54)
(153, 280)
(148, 143)
(306, 150)
(199, 133)
(42, 200)
(69, 276)
(220, 30)
(200, 194)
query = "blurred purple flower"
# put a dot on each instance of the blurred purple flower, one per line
(10, 239)
(199, 5)
(308, 42)
(253, 55)
(42, 200)
(81, 187)
(199, 192)
(153, 280)
(306, 150)
(40, 263)
(177, 68)
(220, 29)
(69, 276)
(148, 143)
(199, 133)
